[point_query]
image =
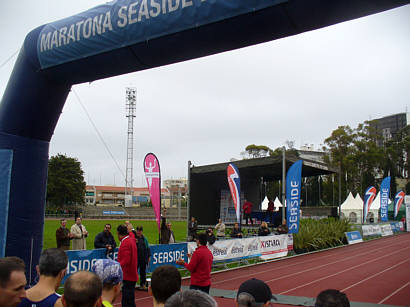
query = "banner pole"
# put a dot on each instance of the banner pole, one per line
(283, 183)
(160, 205)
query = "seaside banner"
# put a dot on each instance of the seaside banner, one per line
(234, 182)
(384, 198)
(167, 254)
(293, 184)
(398, 201)
(369, 196)
(153, 177)
(83, 260)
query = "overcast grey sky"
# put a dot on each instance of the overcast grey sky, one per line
(299, 88)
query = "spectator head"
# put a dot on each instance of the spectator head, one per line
(82, 289)
(252, 293)
(107, 228)
(63, 222)
(165, 281)
(53, 263)
(110, 273)
(78, 220)
(169, 225)
(332, 298)
(12, 281)
(122, 231)
(236, 225)
(202, 239)
(191, 298)
(139, 230)
(264, 224)
(220, 221)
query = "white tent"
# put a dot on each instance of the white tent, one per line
(359, 201)
(352, 208)
(349, 203)
(264, 205)
(277, 203)
(374, 207)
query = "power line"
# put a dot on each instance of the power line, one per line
(98, 133)
(12, 56)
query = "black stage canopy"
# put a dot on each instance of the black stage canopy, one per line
(206, 182)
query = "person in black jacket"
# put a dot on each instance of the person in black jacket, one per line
(263, 230)
(210, 237)
(144, 255)
(167, 235)
(236, 231)
(105, 239)
(192, 229)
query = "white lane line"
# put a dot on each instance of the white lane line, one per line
(353, 267)
(370, 277)
(304, 262)
(398, 290)
(304, 271)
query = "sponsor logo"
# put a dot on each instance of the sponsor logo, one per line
(220, 252)
(270, 243)
(237, 249)
(167, 256)
(252, 248)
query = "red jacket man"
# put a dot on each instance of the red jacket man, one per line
(127, 257)
(271, 208)
(247, 210)
(200, 265)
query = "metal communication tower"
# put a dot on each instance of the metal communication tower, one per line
(131, 100)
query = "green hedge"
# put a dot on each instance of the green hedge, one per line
(320, 234)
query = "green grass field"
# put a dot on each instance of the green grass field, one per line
(95, 226)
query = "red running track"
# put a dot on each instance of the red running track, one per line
(376, 271)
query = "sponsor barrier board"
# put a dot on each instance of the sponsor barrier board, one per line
(290, 242)
(371, 230)
(401, 225)
(395, 226)
(353, 237)
(268, 247)
(386, 230)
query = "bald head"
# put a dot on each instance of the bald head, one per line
(82, 289)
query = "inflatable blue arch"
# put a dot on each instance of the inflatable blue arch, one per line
(116, 38)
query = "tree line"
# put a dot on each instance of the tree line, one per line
(362, 156)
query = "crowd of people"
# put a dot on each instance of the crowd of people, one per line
(102, 285)
(78, 235)
(108, 278)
